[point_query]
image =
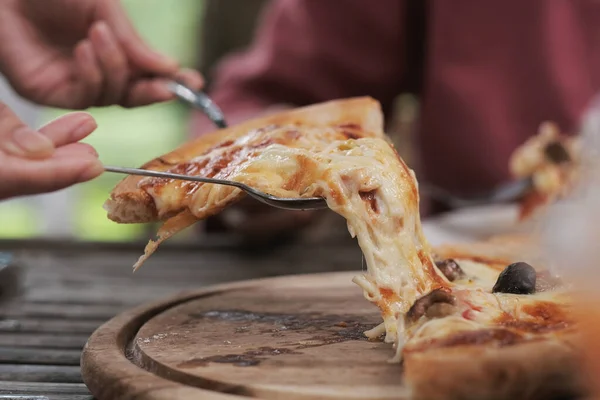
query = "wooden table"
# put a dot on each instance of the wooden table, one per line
(69, 289)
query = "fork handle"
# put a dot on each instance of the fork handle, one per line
(169, 175)
(199, 100)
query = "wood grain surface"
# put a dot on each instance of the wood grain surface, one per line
(297, 337)
(68, 289)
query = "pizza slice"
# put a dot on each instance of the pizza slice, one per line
(465, 323)
(246, 152)
(551, 159)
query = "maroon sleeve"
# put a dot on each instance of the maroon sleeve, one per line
(307, 51)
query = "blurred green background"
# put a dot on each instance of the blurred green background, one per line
(124, 137)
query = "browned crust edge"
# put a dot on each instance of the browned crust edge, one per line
(544, 369)
(502, 249)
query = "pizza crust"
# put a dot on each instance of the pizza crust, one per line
(502, 249)
(544, 369)
(130, 204)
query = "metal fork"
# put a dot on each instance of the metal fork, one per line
(504, 193)
(200, 101)
(286, 203)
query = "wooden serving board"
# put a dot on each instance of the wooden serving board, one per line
(294, 337)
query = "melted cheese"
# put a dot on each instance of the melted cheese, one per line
(363, 180)
(366, 182)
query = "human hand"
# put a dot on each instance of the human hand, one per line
(80, 53)
(42, 161)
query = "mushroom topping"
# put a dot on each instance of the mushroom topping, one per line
(517, 278)
(440, 310)
(450, 269)
(423, 304)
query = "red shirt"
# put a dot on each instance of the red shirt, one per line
(492, 71)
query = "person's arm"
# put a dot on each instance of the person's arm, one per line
(307, 51)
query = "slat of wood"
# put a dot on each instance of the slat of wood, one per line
(17, 355)
(27, 325)
(190, 261)
(122, 265)
(143, 288)
(79, 280)
(120, 289)
(114, 302)
(171, 269)
(200, 272)
(40, 373)
(130, 298)
(44, 388)
(83, 312)
(51, 341)
(225, 243)
(13, 396)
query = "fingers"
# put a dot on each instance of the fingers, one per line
(76, 150)
(137, 51)
(17, 139)
(69, 128)
(102, 67)
(149, 91)
(38, 162)
(106, 76)
(70, 165)
(115, 66)
(113, 62)
(191, 78)
(89, 73)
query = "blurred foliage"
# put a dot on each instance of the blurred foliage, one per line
(127, 137)
(18, 221)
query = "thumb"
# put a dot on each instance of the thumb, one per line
(138, 52)
(17, 139)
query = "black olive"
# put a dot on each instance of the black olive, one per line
(557, 153)
(517, 278)
(450, 269)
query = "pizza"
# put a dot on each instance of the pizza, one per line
(551, 160)
(464, 322)
(256, 152)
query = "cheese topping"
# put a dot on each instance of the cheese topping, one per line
(365, 181)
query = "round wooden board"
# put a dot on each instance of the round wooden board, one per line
(295, 337)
